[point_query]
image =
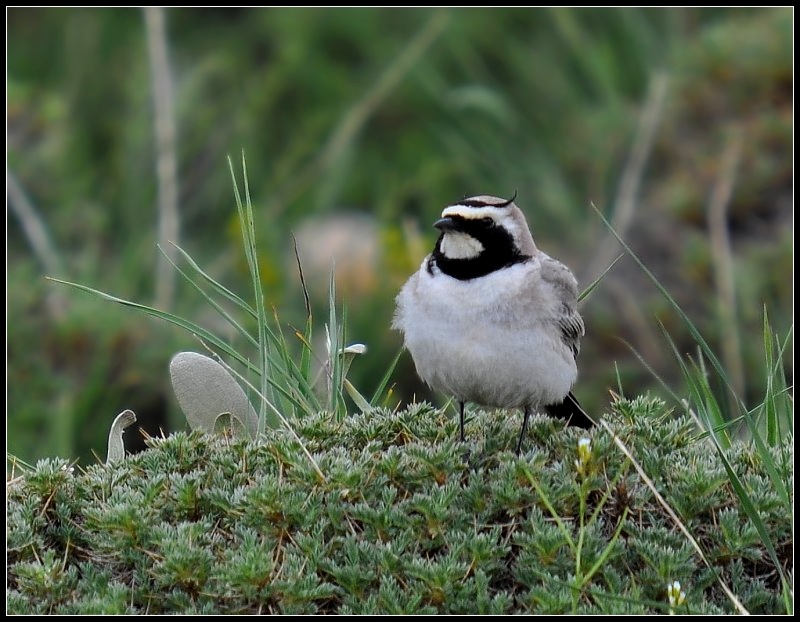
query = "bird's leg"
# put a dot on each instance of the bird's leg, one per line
(524, 426)
(461, 420)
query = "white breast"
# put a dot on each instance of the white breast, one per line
(490, 340)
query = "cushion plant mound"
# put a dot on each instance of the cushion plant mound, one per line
(404, 519)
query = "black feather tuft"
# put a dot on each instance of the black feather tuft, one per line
(571, 411)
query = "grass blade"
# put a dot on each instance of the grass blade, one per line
(225, 315)
(332, 365)
(750, 510)
(384, 381)
(306, 352)
(191, 327)
(216, 285)
(249, 239)
(707, 352)
(678, 522)
(591, 287)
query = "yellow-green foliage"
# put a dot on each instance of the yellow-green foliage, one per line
(406, 520)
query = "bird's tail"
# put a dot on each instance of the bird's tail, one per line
(571, 411)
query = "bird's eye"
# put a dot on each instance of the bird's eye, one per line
(487, 221)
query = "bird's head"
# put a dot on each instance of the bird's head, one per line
(481, 234)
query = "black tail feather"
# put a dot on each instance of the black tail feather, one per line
(571, 411)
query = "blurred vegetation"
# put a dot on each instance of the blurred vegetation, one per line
(381, 117)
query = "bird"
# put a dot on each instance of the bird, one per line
(491, 319)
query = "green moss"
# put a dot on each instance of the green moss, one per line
(407, 520)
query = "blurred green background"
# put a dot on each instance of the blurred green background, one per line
(359, 126)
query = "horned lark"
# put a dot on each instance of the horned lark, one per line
(491, 319)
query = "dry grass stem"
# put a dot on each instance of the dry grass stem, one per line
(722, 261)
(166, 160)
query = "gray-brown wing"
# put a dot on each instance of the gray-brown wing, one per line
(563, 284)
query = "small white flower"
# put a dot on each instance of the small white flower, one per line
(584, 454)
(675, 595)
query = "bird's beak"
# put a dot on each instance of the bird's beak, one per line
(446, 224)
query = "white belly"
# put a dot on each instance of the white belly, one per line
(481, 341)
